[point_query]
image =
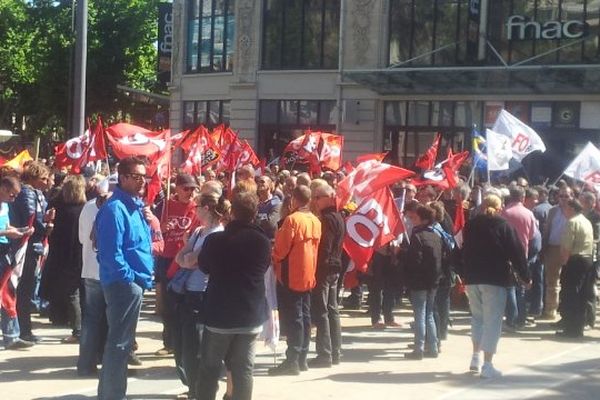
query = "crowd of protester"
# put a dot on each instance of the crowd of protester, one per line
(223, 257)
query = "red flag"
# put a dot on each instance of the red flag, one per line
(443, 175)
(367, 178)
(348, 167)
(427, 160)
(371, 156)
(129, 140)
(302, 150)
(375, 223)
(331, 151)
(159, 170)
(226, 141)
(201, 153)
(77, 152)
(452, 165)
(459, 223)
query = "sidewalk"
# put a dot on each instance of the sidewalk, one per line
(536, 366)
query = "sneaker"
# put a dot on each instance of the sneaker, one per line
(431, 354)
(414, 355)
(475, 363)
(489, 372)
(133, 359)
(285, 368)
(393, 324)
(163, 352)
(31, 338)
(336, 359)
(320, 362)
(303, 365)
(70, 340)
(378, 325)
(19, 344)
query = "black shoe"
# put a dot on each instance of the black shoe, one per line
(320, 362)
(303, 365)
(19, 344)
(285, 368)
(430, 354)
(88, 373)
(569, 335)
(414, 355)
(558, 324)
(31, 338)
(134, 360)
(336, 359)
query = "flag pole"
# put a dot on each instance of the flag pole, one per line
(37, 148)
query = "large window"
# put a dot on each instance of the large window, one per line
(410, 126)
(207, 113)
(284, 120)
(300, 34)
(435, 32)
(210, 39)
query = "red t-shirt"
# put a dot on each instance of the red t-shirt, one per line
(178, 219)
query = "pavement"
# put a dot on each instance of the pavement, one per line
(535, 363)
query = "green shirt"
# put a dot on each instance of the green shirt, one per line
(578, 236)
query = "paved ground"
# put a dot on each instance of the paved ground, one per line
(535, 363)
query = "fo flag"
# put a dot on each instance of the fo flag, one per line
(375, 223)
(499, 151)
(129, 140)
(367, 178)
(524, 139)
(586, 166)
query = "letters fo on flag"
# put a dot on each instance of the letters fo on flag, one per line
(499, 151)
(586, 166)
(524, 139)
(375, 223)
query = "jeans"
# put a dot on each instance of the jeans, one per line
(383, 288)
(487, 303)
(26, 291)
(168, 303)
(425, 331)
(93, 329)
(123, 303)
(187, 336)
(326, 317)
(441, 312)
(535, 295)
(294, 315)
(516, 306)
(238, 352)
(8, 319)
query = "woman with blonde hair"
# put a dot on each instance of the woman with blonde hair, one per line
(493, 255)
(61, 277)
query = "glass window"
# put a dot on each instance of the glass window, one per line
(418, 113)
(289, 112)
(208, 113)
(395, 113)
(211, 29)
(327, 113)
(300, 34)
(309, 110)
(268, 111)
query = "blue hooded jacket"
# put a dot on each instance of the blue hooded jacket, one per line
(124, 242)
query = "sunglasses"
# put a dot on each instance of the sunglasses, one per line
(188, 189)
(137, 177)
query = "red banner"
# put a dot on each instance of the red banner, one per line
(129, 140)
(331, 151)
(78, 151)
(374, 224)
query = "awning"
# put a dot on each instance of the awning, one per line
(142, 96)
(555, 79)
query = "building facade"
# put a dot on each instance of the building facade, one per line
(389, 74)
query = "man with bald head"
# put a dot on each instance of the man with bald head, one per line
(324, 306)
(295, 257)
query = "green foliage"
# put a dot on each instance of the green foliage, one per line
(36, 47)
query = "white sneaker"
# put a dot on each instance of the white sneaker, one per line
(489, 372)
(475, 363)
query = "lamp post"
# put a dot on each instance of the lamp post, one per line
(79, 78)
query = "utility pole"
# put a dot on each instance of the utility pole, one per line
(79, 84)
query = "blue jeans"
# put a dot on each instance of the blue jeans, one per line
(9, 325)
(238, 352)
(93, 327)
(487, 304)
(516, 306)
(423, 302)
(123, 303)
(535, 295)
(294, 316)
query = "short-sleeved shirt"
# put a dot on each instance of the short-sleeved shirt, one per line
(578, 236)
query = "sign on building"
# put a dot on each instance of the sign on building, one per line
(165, 41)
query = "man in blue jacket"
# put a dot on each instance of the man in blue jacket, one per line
(125, 256)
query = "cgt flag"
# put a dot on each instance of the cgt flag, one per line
(375, 223)
(129, 140)
(524, 139)
(586, 166)
(78, 151)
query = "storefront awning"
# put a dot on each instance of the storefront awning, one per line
(555, 79)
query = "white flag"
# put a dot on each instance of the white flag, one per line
(586, 166)
(523, 138)
(499, 151)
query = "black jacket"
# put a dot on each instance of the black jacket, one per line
(236, 260)
(423, 268)
(333, 229)
(490, 246)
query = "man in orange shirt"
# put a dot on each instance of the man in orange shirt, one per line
(295, 257)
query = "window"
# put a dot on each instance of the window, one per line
(435, 32)
(300, 34)
(284, 120)
(207, 113)
(210, 43)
